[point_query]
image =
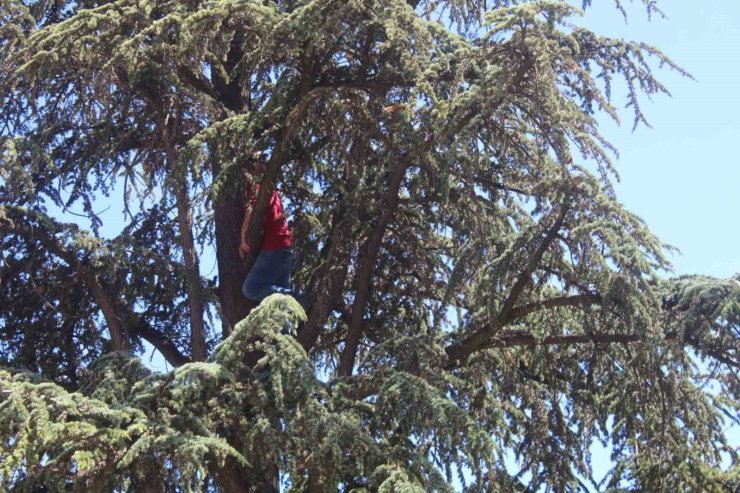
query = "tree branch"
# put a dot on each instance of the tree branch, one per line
(576, 300)
(196, 304)
(363, 386)
(523, 339)
(375, 239)
(727, 360)
(332, 279)
(198, 82)
(192, 273)
(526, 275)
(457, 352)
(160, 342)
(372, 247)
(116, 314)
(118, 333)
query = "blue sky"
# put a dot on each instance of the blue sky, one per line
(682, 175)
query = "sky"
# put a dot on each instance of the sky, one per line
(682, 175)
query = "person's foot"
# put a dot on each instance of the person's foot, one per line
(306, 303)
(303, 300)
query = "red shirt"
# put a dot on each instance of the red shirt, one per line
(277, 234)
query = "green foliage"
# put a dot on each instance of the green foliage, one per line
(127, 425)
(478, 290)
(119, 431)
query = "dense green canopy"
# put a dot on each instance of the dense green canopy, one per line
(478, 292)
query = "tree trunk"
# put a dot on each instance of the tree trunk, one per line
(232, 270)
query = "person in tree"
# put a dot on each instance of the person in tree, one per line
(272, 270)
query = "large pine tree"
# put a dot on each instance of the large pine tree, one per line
(478, 292)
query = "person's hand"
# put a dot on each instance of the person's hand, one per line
(243, 249)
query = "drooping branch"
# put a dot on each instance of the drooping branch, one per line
(198, 82)
(365, 385)
(118, 333)
(714, 353)
(500, 339)
(513, 339)
(524, 339)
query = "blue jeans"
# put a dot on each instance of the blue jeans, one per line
(270, 274)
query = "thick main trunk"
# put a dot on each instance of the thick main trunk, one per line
(233, 477)
(264, 475)
(229, 206)
(228, 214)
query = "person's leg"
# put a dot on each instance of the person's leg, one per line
(258, 284)
(270, 274)
(286, 270)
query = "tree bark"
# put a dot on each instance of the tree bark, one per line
(162, 343)
(332, 277)
(337, 253)
(232, 270)
(229, 206)
(118, 333)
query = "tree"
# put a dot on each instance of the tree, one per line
(477, 289)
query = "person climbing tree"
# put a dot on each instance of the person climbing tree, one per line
(272, 270)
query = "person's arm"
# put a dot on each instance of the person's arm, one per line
(243, 246)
